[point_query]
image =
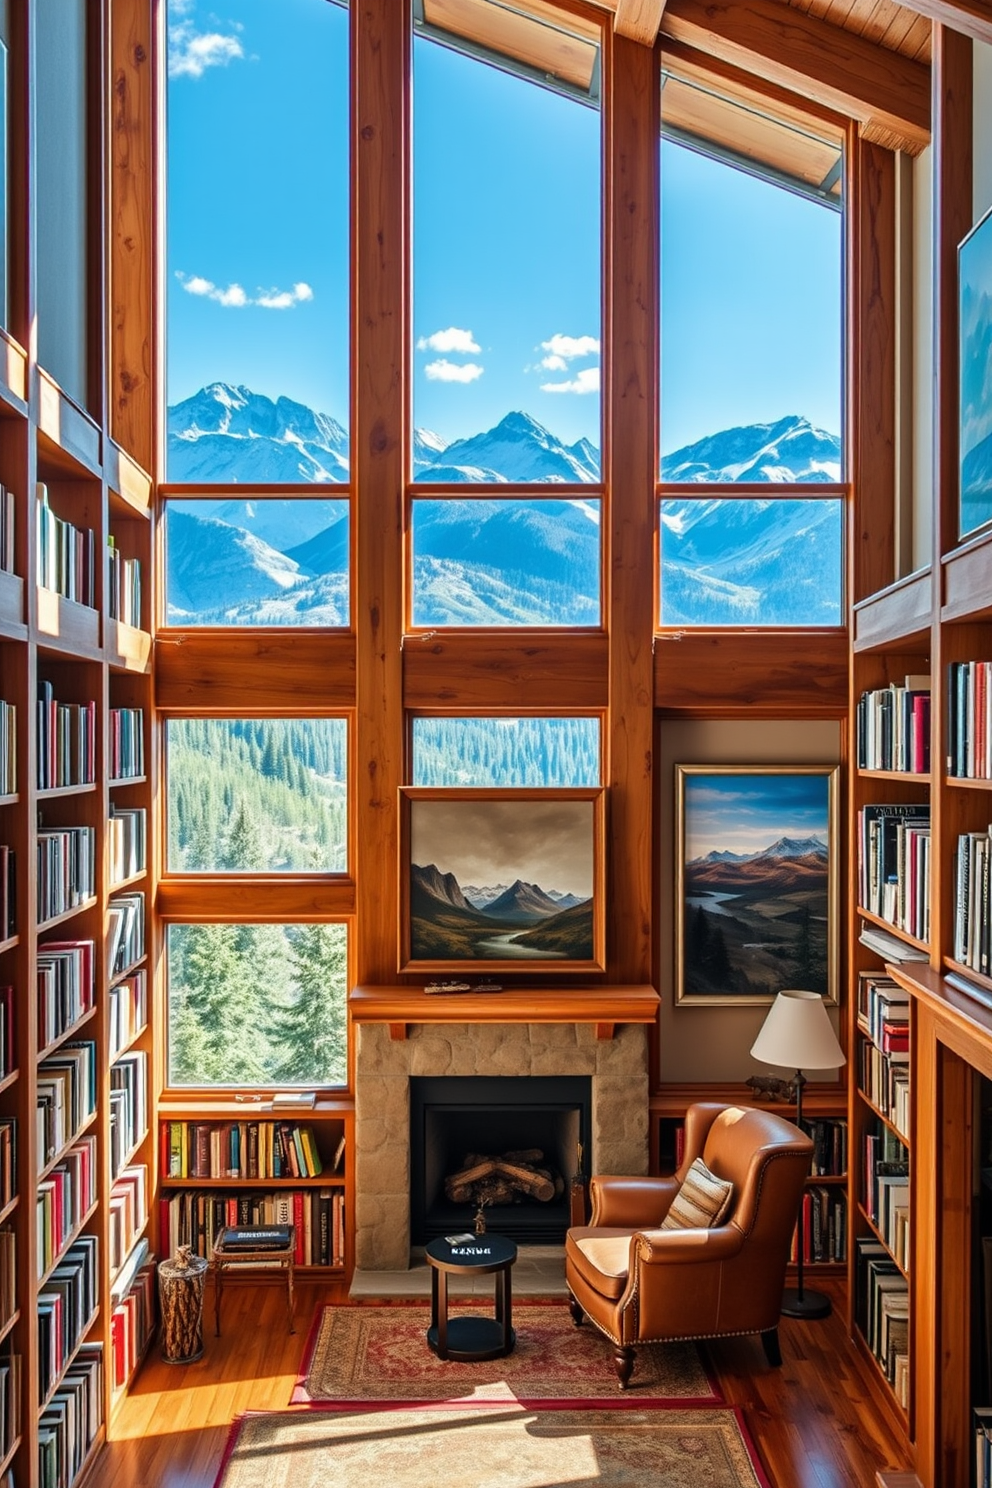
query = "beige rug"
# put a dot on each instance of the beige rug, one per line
(497, 1447)
(380, 1353)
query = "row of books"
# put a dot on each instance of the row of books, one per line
(8, 1276)
(128, 1213)
(66, 741)
(65, 1309)
(65, 555)
(8, 749)
(71, 1420)
(123, 586)
(64, 1198)
(8, 892)
(829, 1134)
(240, 1149)
(8, 1049)
(66, 1092)
(10, 1403)
(7, 504)
(973, 901)
(196, 1218)
(128, 1106)
(893, 727)
(132, 1323)
(8, 1160)
(824, 1225)
(969, 720)
(66, 869)
(885, 1191)
(894, 865)
(125, 932)
(66, 989)
(881, 1310)
(126, 842)
(884, 1079)
(883, 1012)
(127, 1010)
(127, 743)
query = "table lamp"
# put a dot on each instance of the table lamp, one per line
(797, 1034)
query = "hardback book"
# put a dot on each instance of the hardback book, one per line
(256, 1237)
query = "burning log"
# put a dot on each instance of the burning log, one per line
(504, 1179)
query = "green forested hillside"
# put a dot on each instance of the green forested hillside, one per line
(506, 751)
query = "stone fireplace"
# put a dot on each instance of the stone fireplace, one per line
(388, 1054)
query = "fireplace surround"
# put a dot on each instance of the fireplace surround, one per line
(617, 1068)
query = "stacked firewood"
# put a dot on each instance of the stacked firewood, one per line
(508, 1178)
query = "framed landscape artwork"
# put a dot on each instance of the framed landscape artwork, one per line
(975, 322)
(757, 892)
(501, 880)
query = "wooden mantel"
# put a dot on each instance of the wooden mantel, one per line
(604, 1007)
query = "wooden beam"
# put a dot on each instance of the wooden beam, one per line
(633, 149)
(972, 17)
(638, 20)
(888, 95)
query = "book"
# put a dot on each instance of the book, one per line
(256, 1237)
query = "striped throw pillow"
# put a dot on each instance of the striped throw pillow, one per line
(701, 1202)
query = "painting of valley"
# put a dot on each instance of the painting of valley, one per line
(498, 883)
(754, 913)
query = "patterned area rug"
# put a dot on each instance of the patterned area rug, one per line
(499, 1447)
(380, 1353)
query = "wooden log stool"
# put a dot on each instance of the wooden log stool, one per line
(264, 1251)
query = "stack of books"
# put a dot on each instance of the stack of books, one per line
(893, 727)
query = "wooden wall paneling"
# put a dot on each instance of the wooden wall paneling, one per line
(458, 670)
(725, 674)
(132, 236)
(380, 335)
(886, 93)
(253, 673)
(632, 316)
(319, 897)
(872, 550)
(952, 219)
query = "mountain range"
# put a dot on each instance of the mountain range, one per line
(788, 865)
(521, 921)
(281, 561)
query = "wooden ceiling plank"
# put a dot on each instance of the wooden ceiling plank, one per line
(639, 20)
(878, 88)
(972, 17)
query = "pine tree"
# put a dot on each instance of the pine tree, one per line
(314, 1028)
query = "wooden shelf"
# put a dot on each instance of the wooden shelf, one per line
(896, 618)
(61, 1374)
(124, 883)
(124, 780)
(68, 914)
(605, 1007)
(321, 1180)
(69, 1033)
(11, 1322)
(881, 1240)
(874, 919)
(885, 1120)
(80, 1132)
(968, 782)
(56, 792)
(69, 1241)
(905, 777)
(71, 628)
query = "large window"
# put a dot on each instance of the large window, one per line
(257, 1004)
(256, 795)
(257, 348)
(751, 348)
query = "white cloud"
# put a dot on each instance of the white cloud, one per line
(567, 347)
(554, 363)
(453, 339)
(191, 52)
(445, 371)
(586, 381)
(235, 298)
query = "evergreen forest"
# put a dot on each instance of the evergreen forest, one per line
(552, 752)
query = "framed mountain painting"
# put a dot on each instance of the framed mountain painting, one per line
(501, 880)
(975, 357)
(757, 908)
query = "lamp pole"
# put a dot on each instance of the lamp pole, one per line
(796, 1302)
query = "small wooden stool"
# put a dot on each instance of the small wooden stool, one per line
(263, 1258)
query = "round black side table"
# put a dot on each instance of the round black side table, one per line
(471, 1338)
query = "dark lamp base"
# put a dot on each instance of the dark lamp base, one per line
(810, 1305)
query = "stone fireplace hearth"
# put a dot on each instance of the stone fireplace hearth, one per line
(617, 1066)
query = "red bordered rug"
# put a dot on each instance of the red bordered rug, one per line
(377, 1352)
(495, 1446)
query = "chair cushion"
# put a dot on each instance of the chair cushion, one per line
(701, 1202)
(600, 1257)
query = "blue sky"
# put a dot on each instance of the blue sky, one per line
(744, 813)
(506, 243)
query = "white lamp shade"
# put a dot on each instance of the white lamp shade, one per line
(797, 1034)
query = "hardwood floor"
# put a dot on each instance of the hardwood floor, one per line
(814, 1419)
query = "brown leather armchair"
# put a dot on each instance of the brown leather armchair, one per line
(641, 1284)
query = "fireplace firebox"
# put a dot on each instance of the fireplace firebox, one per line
(452, 1117)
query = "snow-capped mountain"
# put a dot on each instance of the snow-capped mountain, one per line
(530, 562)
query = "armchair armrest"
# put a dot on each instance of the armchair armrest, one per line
(628, 1202)
(685, 1247)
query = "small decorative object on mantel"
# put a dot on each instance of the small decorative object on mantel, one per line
(488, 987)
(445, 988)
(771, 1088)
